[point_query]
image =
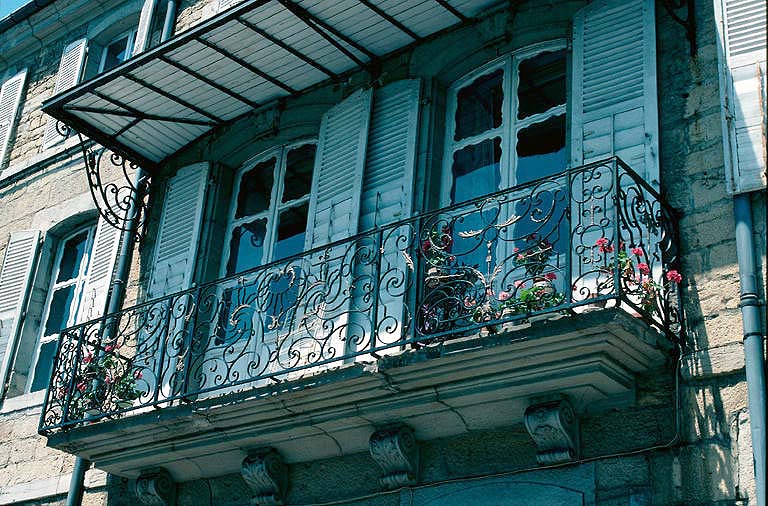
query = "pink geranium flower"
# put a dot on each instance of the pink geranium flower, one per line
(137, 374)
(550, 276)
(88, 359)
(674, 276)
(604, 245)
(504, 296)
(519, 283)
(643, 267)
(637, 252)
(109, 348)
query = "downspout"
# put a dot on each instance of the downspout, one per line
(170, 20)
(113, 305)
(754, 360)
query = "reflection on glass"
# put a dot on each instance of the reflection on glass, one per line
(44, 366)
(60, 310)
(117, 52)
(255, 189)
(291, 229)
(478, 105)
(246, 247)
(74, 249)
(541, 149)
(542, 83)
(298, 172)
(475, 170)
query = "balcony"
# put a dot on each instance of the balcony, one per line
(452, 320)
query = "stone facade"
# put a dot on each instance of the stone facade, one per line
(649, 451)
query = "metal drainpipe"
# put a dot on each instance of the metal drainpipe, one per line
(114, 303)
(170, 20)
(754, 360)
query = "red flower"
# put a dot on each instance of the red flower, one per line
(426, 245)
(519, 283)
(504, 296)
(81, 386)
(550, 276)
(516, 249)
(604, 245)
(87, 359)
(674, 276)
(109, 348)
(643, 267)
(137, 374)
(637, 252)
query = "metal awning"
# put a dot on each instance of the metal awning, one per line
(153, 105)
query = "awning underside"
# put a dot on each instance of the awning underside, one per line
(155, 104)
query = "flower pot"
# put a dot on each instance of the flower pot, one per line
(124, 404)
(92, 412)
(544, 285)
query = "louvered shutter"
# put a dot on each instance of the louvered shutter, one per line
(179, 232)
(10, 96)
(615, 106)
(70, 68)
(143, 32)
(334, 206)
(742, 29)
(387, 197)
(101, 263)
(226, 4)
(15, 278)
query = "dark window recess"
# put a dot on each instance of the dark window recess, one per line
(72, 257)
(60, 310)
(44, 364)
(298, 174)
(478, 105)
(542, 83)
(541, 149)
(246, 246)
(255, 189)
(476, 170)
(291, 231)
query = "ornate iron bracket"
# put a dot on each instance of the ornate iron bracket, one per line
(555, 430)
(155, 487)
(689, 23)
(118, 186)
(395, 450)
(267, 475)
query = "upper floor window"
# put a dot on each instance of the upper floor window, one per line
(268, 218)
(117, 51)
(65, 295)
(506, 124)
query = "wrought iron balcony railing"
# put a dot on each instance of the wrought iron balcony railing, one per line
(586, 238)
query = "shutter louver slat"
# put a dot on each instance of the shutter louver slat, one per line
(70, 68)
(743, 79)
(15, 277)
(100, 266)
(10, 98)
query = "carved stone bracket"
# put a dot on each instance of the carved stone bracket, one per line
(267, 475)
(555, 430)
(395, 450)
(155, 487)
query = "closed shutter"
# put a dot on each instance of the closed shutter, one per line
(101, 263)
(387, 197)
(10, 96)
(614, 86)
(15, 278)
(742, 29)
(143, 32)
(334, 207)
(70, 68)
(179, 231)
(226, 4)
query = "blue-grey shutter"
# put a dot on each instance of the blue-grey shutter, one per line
(742, 30)
(145, 25)
(178, 235)
(226, 4)
(70, 69)
(10, 97)
(15, 277)
(615, 105)
(101, 264)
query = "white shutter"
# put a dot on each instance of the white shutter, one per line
(15, 277)
(742, 30)
(615, 105)
(143, 32)
(10, 96)
(179, 231)
(334, 207)
(101, 263)
(70, 68)
(226, 4)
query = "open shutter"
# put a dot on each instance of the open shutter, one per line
(15, 278)
(226, 4)
(145, 25)
(70, 68)
(179, 232)
(10, 96)
(101, 263)
(614, 85)
(387, 196)
(742, 29)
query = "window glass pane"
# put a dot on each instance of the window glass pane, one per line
(298, 173)
(478, 106)
(475, 170)
(542, 83)
(541, 149)
(246, 246)
(74, 249)
(290, 231)
(255, 189)
(58, 314)
(117, 52)
(44, 366)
